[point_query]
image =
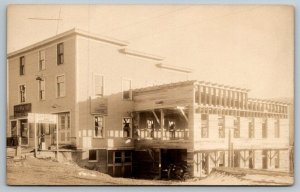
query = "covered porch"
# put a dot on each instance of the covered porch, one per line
(161, 124)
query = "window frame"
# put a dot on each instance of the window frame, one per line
(39, 60)
(97, 154)
(103, 127)
(60, 54)
(22, 65)
(20, 95)
(130, 131)
(57, 89)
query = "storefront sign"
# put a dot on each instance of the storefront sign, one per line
(99, 106)
(22, 110)
(42, 118)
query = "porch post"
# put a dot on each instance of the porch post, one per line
(162, 122)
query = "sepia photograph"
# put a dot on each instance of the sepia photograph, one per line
(150, 95)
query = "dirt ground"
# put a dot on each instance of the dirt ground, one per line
(33, 171)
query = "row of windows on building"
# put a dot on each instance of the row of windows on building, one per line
(239, 113)
(236, 127)
(42, 59)
(235, 99)
(61, 88)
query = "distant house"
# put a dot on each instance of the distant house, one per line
(127, 113)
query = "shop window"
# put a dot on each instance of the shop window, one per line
(126, 87)
(60, 82)
(98, 126)
(118, 157)
(128, 156)
(93, 155)
(126, 127)
(42, 60)
(22, 65)
(22, 93)
(60, 53)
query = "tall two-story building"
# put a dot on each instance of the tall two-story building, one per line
(125, 112)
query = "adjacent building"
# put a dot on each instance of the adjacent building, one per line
(125, 112)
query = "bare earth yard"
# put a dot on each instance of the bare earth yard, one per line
(32, 171)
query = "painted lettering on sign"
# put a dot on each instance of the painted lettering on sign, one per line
(22, 109)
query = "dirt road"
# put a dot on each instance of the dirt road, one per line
(32, 171)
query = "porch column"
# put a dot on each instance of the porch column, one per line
(162, 123)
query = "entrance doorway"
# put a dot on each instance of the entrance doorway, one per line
(119, 163)
(24, 132)
(175, 157)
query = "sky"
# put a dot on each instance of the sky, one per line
(243, 46)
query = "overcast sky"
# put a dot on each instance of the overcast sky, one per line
(245, 46)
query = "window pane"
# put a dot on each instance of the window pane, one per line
(98, 126)
(22, 93)
(92, 155)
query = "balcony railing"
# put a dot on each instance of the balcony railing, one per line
(166, 134)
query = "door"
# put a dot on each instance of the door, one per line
(13, 141)
(120, 163)
(24, 131)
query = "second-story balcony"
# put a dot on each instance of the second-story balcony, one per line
(161, 124)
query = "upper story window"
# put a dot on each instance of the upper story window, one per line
(126, 87)
(98, 126)
(60, 53)
(60, 86)
(22, 65)
(42, 60)
(126, 127)
(99, 85)
(42, 89)
(22, 93)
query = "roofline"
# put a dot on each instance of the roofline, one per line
(71, 32)
(141, 54)
(174, 68)
(216, 85)
(269, 101)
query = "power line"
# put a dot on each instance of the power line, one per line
(192, 23)
(147, 19)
